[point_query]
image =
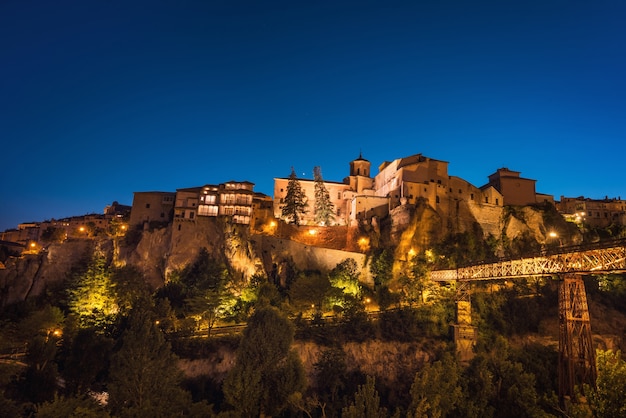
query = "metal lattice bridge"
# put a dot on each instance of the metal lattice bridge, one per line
(568, 265)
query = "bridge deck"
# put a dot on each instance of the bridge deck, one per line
(596, 260)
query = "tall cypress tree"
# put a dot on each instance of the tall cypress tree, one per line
(295, 203)
(324, 208)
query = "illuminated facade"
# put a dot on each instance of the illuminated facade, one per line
(594, 212)
(343, 195)
(232, 199)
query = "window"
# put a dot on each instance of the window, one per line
(191, 214)
(486, 199)
(436, 199)
(162, 215)
(147, 205)
(497, 201)
(338, 195)
(472, 196)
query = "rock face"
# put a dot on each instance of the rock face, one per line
(30, 274)
(156, 253)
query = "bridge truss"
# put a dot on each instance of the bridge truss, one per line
(576, 354)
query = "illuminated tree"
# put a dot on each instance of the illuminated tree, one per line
(345, 276)
(324, 208)
(91, 294)
(294, 204)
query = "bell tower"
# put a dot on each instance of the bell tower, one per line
(360, 167)
(359, 178)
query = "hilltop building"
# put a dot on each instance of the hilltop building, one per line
(151, 207)
(593, 212)
(406, 181)
(236, 200)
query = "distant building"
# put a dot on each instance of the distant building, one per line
(116, 210)
(406, 181)
(343, 195)
(594, 212)
(235, 200)
(151, 207)
(515, 190)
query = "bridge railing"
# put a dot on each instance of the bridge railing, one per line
(603, 257)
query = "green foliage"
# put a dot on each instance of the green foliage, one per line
(309, 291)
(497, 386)
(267, 372)
(144, 375)
(436, 389)
(86, 361)
(345, 276)
(366, 403)
(324, 208)
(294, 204)
(607, 399)
(330, 375)
(91, 295)
(52, 234)
(463, 248)
(71, 407)
(381, 267)
(129, 286)
(43, 322)
(205, 273)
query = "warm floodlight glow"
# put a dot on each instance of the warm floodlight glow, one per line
(312, 231)
(33, 245)
(81, 229)
(411, 253)
(273, 224)
(553, 234)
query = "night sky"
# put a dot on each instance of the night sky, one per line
(99, 99)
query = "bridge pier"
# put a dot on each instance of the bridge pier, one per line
(577, 363)
(463, 330)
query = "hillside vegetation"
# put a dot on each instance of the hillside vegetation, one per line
(243, 326)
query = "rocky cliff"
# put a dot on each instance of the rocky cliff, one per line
(158, 252)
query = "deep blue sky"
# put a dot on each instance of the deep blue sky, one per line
(99, 99)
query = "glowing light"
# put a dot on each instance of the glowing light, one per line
(312, 231)
(411, 253)
(33, 245)
(81, 229)
(367, 300)
(553, 234)
(273, 224)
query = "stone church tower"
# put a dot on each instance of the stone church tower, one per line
(359, 178)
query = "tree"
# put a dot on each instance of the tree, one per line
(294, 204)
(206, 283)
(345, 276)
(91, 294)
(144, 375)
(607, 399)
(436, 390)
(309, 289)
(73, 407)
(366, 402)
(324, 208)
(267, 372)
